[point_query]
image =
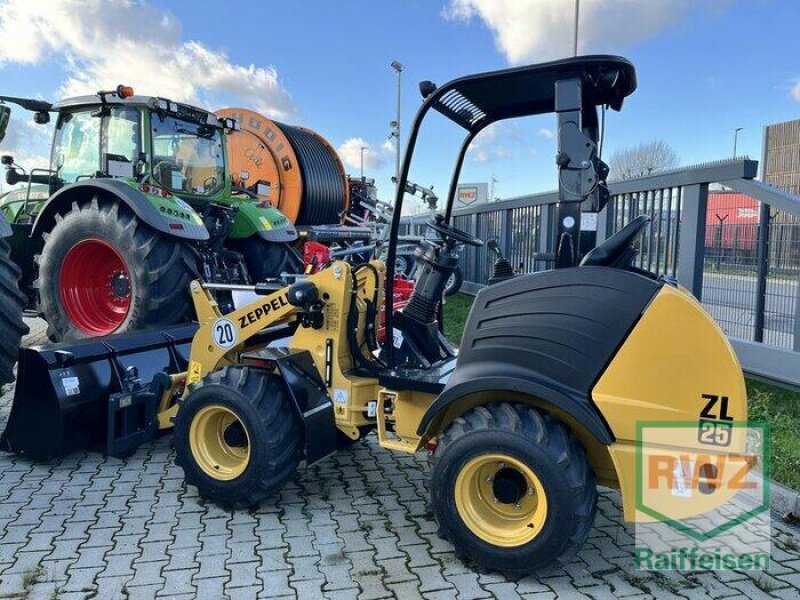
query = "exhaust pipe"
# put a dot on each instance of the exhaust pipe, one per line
(95, 392)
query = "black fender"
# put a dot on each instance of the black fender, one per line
(5, 228)
(485, 380)
(550, 336)
(308, 395)
(61, 201)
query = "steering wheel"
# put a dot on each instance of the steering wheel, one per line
(450, 232)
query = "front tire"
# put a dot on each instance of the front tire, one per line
(104, 271)
(512, 489)
(454, 283)
(236, 437)
(12, 303)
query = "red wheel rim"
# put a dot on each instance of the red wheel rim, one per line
(95, 287)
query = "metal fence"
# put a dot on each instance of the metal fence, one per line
(735, 246)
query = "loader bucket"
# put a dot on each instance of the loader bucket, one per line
(99, 392)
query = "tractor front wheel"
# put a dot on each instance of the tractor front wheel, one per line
(104, 271)
(236, 436)
(511, 489)
(12, 303)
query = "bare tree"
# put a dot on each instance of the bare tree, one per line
(642, 160)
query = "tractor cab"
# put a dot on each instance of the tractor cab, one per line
(415, 349)
(116, 134)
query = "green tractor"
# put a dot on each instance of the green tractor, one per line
(137, 202)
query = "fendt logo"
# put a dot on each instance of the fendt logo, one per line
(702, 493)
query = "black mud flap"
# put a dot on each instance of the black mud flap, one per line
(308, 394)
(95, 393)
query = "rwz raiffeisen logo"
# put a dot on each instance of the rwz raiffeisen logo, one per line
(702, 495)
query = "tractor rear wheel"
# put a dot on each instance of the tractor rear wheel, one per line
(103, 271)
(511, 489)
(236, 436)
(12, 303)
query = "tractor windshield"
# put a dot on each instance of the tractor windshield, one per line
(187, 156)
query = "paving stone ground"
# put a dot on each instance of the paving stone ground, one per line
(354, 526)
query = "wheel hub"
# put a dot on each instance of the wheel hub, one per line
(219, 442)
(120, 285)
(95, 287)
(501, 500)
(509, 486)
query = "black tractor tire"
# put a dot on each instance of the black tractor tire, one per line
(542, 444)
(160, 269)
(266, 260)
(454, 283)
(264, 424)
(404, 264)
(12, 303)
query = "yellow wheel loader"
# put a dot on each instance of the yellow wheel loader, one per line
(538, 406)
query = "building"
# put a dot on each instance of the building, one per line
(781, 156)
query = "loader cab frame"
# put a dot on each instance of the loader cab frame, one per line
(572, 88)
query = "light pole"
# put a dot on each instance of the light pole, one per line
(575, 38)
(362, 161)
(395, 125)
(736, 139)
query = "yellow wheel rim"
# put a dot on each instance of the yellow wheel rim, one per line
(220, 442)
(501, 500)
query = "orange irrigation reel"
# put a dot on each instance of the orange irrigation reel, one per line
(306, 177)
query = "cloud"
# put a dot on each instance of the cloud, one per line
(796, 91)
(350, 152)
(490, 145)
(101, 44)
(388, 147)
(545, 133)
(537, 30)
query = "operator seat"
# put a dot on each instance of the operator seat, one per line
(617, 251)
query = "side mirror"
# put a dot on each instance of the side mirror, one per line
(5, 117)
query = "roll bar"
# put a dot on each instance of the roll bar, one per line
(572, 88)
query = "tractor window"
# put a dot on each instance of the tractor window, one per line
(187, 156)
(76, 148)
(122, 132)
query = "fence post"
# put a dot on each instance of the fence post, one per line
(544, 240)
(797, 317)
(692, 238)
(505, 233)
(602, 222)
(763, 271)
(473, 263)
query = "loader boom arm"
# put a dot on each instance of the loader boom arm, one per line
(219, 334)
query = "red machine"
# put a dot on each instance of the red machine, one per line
(732, 221)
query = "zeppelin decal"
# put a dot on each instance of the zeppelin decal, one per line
(262, 311)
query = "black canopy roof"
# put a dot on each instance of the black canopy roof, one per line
(475, 101)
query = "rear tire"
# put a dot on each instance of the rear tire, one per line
(12, 303)
(236, 437)
(512, 489)
(145, 284)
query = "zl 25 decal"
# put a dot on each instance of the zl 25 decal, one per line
(715, 424)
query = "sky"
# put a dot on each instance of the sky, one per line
(705, 68)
